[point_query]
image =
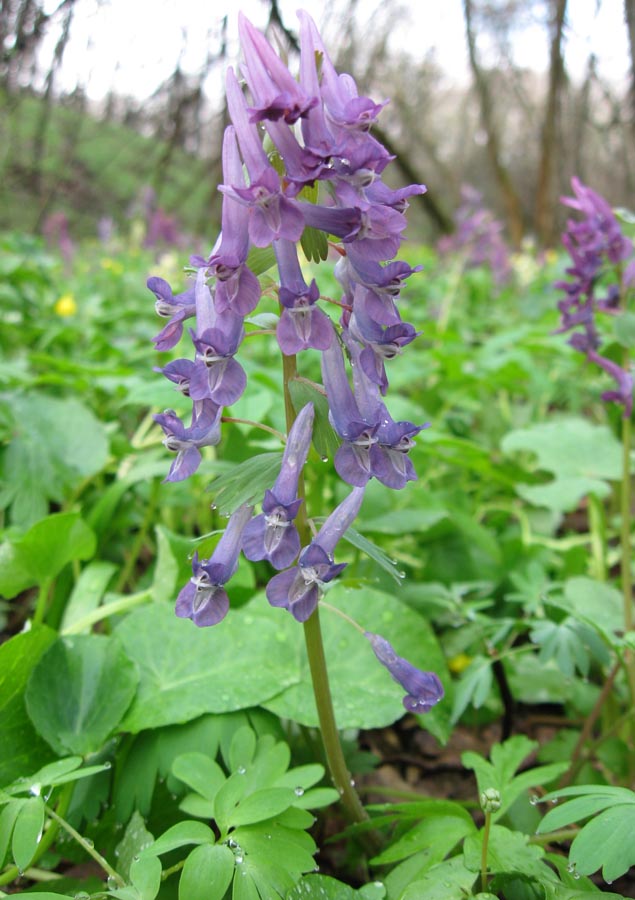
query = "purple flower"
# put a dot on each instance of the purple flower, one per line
(423, 689)
(299, 589)
(186, 442)
(272, 535)
(204, 599)
(379, 344)
(275, 91)
(216, 374)
(237, 288)
(302, 324)
(271, 214)
(178, 308)
(596, 246)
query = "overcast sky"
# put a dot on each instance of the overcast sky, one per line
(132, 46)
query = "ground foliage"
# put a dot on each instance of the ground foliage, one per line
(141, 758)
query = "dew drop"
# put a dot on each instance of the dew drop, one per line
(534, 800)
(571, 867)
(241, 770)
(239, 859)
(35, 790)
(299, 791)
(576, 875)
(554, 801)
(213, 506)
(324, 458)
(232, 844)
(352, 782)
(89, 843)
(107, 765)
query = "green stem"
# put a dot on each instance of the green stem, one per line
(42, 602)
(110, 609)
(87, 846)
(554, 837)
(315, 651)
(253, 424)
(486, 831)
(597, 527)
(627, 578)
(140, 537)
(47, 838)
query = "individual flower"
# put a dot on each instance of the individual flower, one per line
(275, 91)
(272, 215)
(204, 599)
(237, 288)
(302, 324)
(177, 308)
(272, 535)
(204, 431)
(299, 589)
(423, 689)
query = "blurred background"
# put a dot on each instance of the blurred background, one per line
(113, 110)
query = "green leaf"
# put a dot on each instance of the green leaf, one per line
(438, 834)
(624, 329)
(450, 880)
(27, 831)
(88, 592)
(145, 875)
(581, 456)
(507, 851)
(607, 842)
(324, 438)
(200, 773)
(323, 887)
(79, 692)
(56, 444)
(242, 748)
(180, 835)
(246, 482)
(135, 840)
(364, 694)
(474, 687)
(40, 554)
(8, 815)
(207, 873)
(262, 805)
(314, 245)
(186, 671)
(261, 259)
(21, 748)
(227, 798)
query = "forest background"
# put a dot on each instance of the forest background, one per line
(514, 99)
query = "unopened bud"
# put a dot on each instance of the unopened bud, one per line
(490, 800)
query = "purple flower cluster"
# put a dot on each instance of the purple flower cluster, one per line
(319, 128)
(478, 236)
(603, 268)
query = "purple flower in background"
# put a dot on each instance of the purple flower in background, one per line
(423, 689)
(478, 236)
(301, 324)
(177, 308)
(299, 589)
(186, 442)
(272, 535)
(204, 599)
(598, 251)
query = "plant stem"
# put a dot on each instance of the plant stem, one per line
(587, 728)
(42, 602)
(597, 529)
(554, 837)
(87, 846)
(486, 830)
(109, 609)
(627, 578)
(315, 651)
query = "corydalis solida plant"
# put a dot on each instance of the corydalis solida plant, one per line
(600, 277)
(319, 128)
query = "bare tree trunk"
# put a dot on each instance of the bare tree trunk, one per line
(510, 197)
(428, 201)
(544, 215)
(629, 15)
(39, 140)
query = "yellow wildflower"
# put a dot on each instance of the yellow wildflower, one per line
(66, 306)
